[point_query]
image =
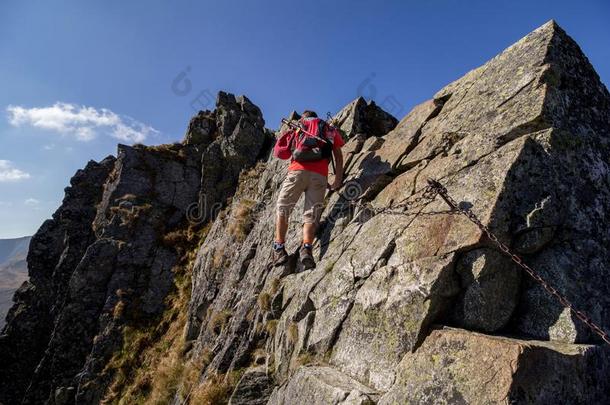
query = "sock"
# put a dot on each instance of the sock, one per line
(278, 245)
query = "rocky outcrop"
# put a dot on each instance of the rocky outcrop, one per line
(362, 117)
(510, 141)
(455, 366)
(106, 260)
(234, 137)
(53, 254)
(409, 301)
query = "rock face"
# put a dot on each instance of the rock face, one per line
(458, 367)
(360, 117)
(105, 261)
(520, 143)
(404, 289)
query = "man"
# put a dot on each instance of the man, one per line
(307, 173)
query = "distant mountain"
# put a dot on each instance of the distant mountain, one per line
(13, 270)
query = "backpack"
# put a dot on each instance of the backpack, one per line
(305, 148)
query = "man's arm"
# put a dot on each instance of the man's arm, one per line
(338, 155)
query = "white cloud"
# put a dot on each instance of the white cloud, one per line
(81, 122)
(8, 173)
(31, 202)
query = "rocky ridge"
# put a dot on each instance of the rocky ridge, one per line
(415, 306)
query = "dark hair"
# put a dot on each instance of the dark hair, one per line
(309, 114)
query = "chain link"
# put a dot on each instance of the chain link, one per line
(442, 191)
(425, 196)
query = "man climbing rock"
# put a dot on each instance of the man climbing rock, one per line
(310, 145)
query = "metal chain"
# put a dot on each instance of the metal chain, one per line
(435, 188)
(427, 195)
(442, 191)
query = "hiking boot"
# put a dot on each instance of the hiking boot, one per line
(280, 256)
(306, 256)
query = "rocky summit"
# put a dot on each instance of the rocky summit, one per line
(153, 282)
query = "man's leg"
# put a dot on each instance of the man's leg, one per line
(314, 204)
(292, 188)
(281, 227)
(309, 232)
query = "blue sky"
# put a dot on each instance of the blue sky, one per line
(77, 77)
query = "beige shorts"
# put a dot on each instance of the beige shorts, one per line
(296, 183)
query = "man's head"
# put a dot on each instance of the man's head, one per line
(309, 114)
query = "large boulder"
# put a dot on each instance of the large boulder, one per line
(459, 367)
(490, 286)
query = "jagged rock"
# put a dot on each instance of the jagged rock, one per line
(54, 253)
(501, 149)
(457, 366)
(490, 286)
(105, 247)
(400, 141)
(366, 118)
(201, 129)
(521, 141)
(390, 312)
(322, 385)
(253, 388)
(240, 141)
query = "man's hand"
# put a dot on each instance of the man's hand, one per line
(338, 169)
(336, 184)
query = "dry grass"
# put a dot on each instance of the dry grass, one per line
(259, 356)
(241, 222)
(119, 309)
(216, 390)
(173, 151)
(304, 359)
(177, 238)
(275, 286)
(129, 216)
(150, 367)
(292, 333)
(218, 259)
(248, 179)
(271, 327)
(264, 301)
(219, 321)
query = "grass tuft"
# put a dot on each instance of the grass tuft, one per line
(219, 321)
(242, 220)
(216, 390)
(293, 332)
(264, 301)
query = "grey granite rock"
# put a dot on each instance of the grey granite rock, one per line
(522, 141)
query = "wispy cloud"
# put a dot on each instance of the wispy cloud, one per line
(31, 202)
(81, 122)
(8, 173)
